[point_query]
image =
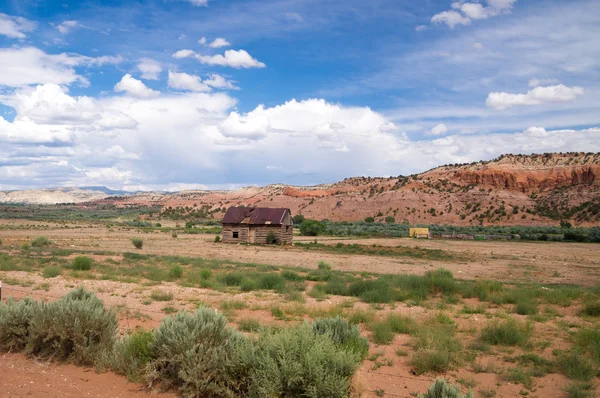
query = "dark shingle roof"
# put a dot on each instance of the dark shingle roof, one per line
(254, 215)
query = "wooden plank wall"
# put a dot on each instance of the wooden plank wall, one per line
(284, 233)
(228, 230)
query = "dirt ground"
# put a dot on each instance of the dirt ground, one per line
(542, 262)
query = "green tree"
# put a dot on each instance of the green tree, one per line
(311, 228)
(390, 220)
(369, 219)
(298, 219)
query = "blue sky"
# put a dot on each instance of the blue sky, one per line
(176, 94)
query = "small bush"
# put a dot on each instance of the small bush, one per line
(591, 308)
(382, 333)
(138, 243)
(195, 351)
(440, 389)
(157, 295)
(174, 234)
(430, 361)
(311, 228)
(130, 355)
(249, 325)
(588, 340)
(401, 324)
(272, 238)
(271, 281)
(76, 328)
(41, 241)
(526, 307)
(577, 367)
(297, 362)
(232, 278)
(343, 334)
(509, 332)
(82, 263)
(217, 239)
(175, 272)
(15, 318)
(580, 390)
(51, 272)
(323, 266)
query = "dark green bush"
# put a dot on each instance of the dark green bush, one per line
(129, 355)
(577, 367)
(82, 263)
(588, 340)
(272, 238)
(15, 318)
(509, 332)
(311, 228)
(271, 281)
(440, 389)
(138, 243)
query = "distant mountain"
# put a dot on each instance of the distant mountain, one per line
(51, 196)
(108, 191)
(510, 190)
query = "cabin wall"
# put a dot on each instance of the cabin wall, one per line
(229, 229)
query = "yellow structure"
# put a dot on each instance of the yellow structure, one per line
(419, 233)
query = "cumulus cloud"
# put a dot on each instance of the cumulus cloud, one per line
(233, 58)
(184, 81)
(537, 96)
(541, 82)
(150, 68)
(216, 43)
(134, 88)
(66, 26)
(198, 3)
(438, 130)
(218, 81)
(463, 12)
(15, 27)
(29, 65)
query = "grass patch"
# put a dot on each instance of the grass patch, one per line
(51, 272)
(580, 390)
(41, 241)
(157, 295)
(510, 333)
(250, 325)
(577, 367)
(82, 263)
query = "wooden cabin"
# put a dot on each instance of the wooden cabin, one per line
(257, 224)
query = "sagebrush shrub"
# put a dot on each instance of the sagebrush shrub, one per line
(441, 389)
(194, 351)
(509, 332)
(76, 328)
(129, 355)
(297, 362)
(15, 318)
(41, 241)
(343, 334)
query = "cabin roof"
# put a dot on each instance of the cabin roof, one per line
(255, 215)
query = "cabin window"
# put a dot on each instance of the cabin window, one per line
(236, 235)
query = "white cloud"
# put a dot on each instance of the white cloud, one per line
(198, 3)
(15, 27)
(421, 28)
(253, 126)
(150, 68)
(219, 42)
(184, 81)
(541, 82)
(66, 26)
(536, 96)
(218, 81)
(29, 65)
(450, 18)
(472, 11)
(183, 54)
(294, 16)
(439, 130)
(234, 58)
(134, 88)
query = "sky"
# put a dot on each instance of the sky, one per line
(220, 94)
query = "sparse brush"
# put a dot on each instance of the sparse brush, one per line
(509, 332)
(343, 334)
(441, 389)
(41, 241)
(577, 367)
(249, 325)
(591, 308)
(157, 295)
(323, 266)
(588, 340)
(138, 243)
(580, 390)
(175, 272)
(51, 272)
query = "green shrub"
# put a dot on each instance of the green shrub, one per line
(195, 351)
(271, 281)
(138, 243)
(175, 272)
(272, 238)
(343, 334)
(51, 272)
(41, 241)
(509, 332)
(591, 308)
(311, 228)
(526, 307)
(440, 389)
(15, 318)
(174, 234)
(82, 263)
(588, 340)
(249, 325)
(296, 362)
(324, 266)
(382, 333)
(580, 390)
(577, 367)
(129, 355)
(430, 361)
(77, 328)
(401, 324)
(248, 285)
(217, 239)
(231, 278)
(157, 295)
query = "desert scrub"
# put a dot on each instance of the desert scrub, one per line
(76, 328)
(296, 362)
(591, 308)
(343, 334)
(250, 325)
(51, 272)
(510, 332)
(588, 340)
(576, 367)
(196, 351)
(129, 355)
(82, 263)
(41, 241)
(15, 318)
(440, 389)
(138, 243)
(157, 295)
(175, 272)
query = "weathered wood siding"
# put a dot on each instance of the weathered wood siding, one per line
(228, 230)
